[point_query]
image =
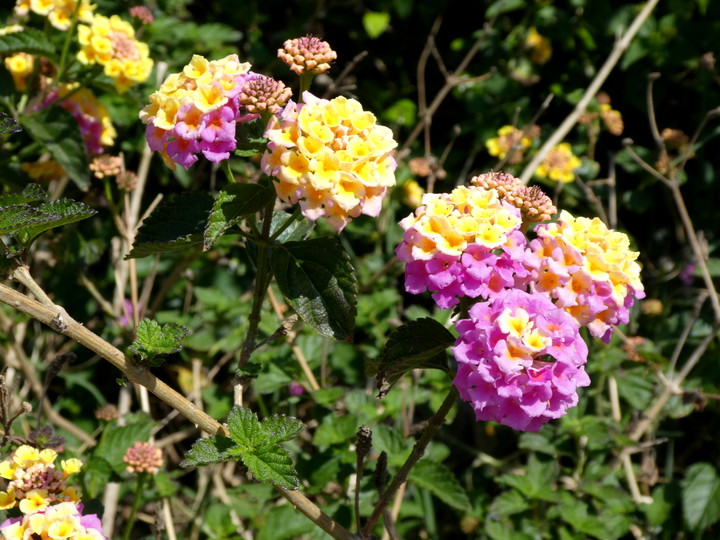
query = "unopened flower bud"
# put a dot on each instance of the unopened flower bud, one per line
(143, 457)
(364, 441)
(307, 54)
(107, 412)
(264, 94)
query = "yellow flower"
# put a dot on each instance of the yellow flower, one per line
(7, 499)
(510, 137)
(58, 12)
(36, 500)
(540, 47)
(7, 469)
(413, 193)
(559, 164)
(26, 455)
(111, 43)
(71, 466)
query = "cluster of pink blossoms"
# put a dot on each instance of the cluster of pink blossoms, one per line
(64, 520)
(520, 357)
(520, 360)
(464, 243)
(196, 111)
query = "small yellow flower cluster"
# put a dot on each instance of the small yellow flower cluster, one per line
(559, 164)
(58, 12)
(448, 222)
(58, 522)
(539, 45)
(511, 138)
(412, 193)
(331, 157)
(35, 484)
(20, 66)
(111, 43)
(12, 29)
(205, 84)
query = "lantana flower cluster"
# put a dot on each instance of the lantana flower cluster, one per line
(143, 457)
(520, 356)
(110, 42)
(58, 12)
(61, 521)
(464, 243)
(331, 157)
(196, 111)
(34, 482)
(95, 123)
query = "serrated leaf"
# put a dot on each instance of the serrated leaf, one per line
(244, 427)
(31, 193)
(299, 229)
(30, 41)
(58, 132)
(701, 496)
(280, 428)
(418, 344)
(59, 213)
(270, 463)
(441, 482)
(510, 502)
(207, 451)
(176, 224)
(231, 205)
(153, 340)
(17, 216)
(319, 282)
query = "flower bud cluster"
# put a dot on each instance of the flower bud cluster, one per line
(143, 457)
(307, 54)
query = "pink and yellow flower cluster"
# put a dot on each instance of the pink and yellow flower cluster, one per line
(463, 243)
(59, 522)
(110, 42)
(588, 269)
(331, 157)
(520, 360)
(34, 482)
(95, 123)
(196, 111)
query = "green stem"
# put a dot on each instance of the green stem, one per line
(228, 173)
(433, 425)
(305, 80)
(66, 46)
(135, 505)
(261, 283)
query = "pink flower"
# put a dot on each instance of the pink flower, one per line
(520, 360)
(219, 126)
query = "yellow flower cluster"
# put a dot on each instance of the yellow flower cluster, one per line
(606, 252)
(510, 137)
(559, 164)
(539, 45)
(43, 171)
(35, 484)
(59, 522)
(448, 222)
(20, 66)
(58, 12)
(331, 157)
(111, 43)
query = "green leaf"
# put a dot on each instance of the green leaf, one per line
(270, 463)
(231, 205)
(299, 229)
(164, 484)
(31, 193)
(206, 451)
(8, 125)
(536, 482)
(441, 482)
(418, 344)
(254, 443)
(319, 282)
(701, 496)
(176, 224)
(116, 440)
(96, 474)
(375, 23)
(334, 430)
(33, 220)
(30, 41)
(58, 132)
(510, 502)
(503, 6)
(286, 523)
(153, 340)
(702, 6)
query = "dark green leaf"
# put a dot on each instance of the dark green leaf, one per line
(319, 282)
(176, 224)
(213, 449)
(30, 41)
(57, 130)
(16, 217)
(286, 523)
(153, 340)
(59, 213)
(270, 463)
(441, 482)
(418, 344)
(701, 496)
(31, 193)
(334, 430)
(299, 229)
(510, 502)
(231, 205)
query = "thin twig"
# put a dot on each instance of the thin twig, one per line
(618, 49)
